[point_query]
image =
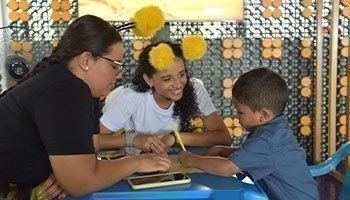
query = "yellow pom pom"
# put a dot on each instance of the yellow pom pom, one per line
(143, 34)
(161, 56)
(194, 47)
(148, 21)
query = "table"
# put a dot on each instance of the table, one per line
(202, 186)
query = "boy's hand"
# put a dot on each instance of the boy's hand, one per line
(220, 150)
(186, 158)
(213, 151)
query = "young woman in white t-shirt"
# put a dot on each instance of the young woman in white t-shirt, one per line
(154, 101)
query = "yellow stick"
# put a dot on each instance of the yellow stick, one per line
(178, 137)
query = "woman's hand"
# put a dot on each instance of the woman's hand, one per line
(50, 189)
(150, 144)
(151, 162)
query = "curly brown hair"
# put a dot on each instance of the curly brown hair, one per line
(187, 107)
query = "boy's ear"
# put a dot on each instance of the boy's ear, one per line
(265, 115)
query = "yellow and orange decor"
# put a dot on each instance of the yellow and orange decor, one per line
(19, 10)
(23, 47)
(60, 10)
(233, 126)
(272, 47)
(346, 9)
(307, 12)
(139, 45)
(232, 48)
(272, 9)
(306, 52)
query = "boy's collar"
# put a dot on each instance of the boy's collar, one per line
(278, 118)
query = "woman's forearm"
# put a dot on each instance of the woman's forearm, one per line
(104, 141)
(83, 174)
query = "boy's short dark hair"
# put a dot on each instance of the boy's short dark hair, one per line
(261, 88)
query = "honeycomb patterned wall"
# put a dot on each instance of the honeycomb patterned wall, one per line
(278, 34)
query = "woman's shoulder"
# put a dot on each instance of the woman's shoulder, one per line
(196, 81)
(126, 92)
(56, 79)
(197, 84)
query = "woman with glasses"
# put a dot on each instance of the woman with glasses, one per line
(116, 64)
(153, 102)
(46, 119)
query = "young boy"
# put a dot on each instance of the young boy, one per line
(270, 155)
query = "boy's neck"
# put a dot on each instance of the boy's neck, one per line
(271, 117)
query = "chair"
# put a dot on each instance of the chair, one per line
(330, 164)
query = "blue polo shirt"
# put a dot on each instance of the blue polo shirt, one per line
(273, 158)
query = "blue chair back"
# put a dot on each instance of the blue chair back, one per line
(331, 163)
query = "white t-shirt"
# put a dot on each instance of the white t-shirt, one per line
(128, 109)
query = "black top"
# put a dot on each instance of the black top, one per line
(52, 113)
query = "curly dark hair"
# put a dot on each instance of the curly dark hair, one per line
(187, 107)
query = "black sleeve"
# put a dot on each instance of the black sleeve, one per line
(64, 117)
(97, 115)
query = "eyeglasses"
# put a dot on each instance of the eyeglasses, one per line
(116, 64)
